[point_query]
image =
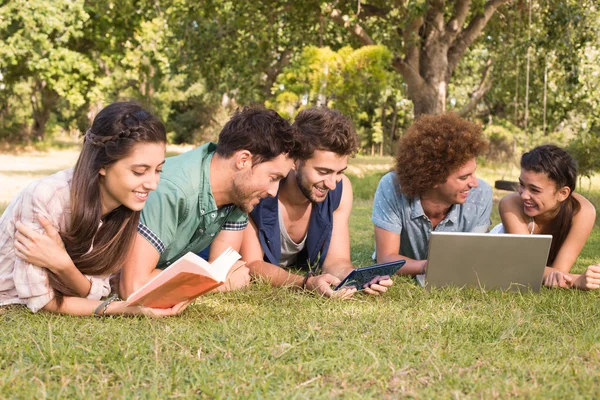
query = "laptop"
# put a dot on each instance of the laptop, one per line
(487, 261)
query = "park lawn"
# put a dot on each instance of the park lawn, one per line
(269, 342)
(279, 343)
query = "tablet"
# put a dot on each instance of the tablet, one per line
(364, 275)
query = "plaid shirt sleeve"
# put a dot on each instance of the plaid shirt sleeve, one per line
(49, 197)
(237, 220)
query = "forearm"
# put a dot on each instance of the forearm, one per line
(277, 276)
(130, 284)
(86, 307)
(412, 267)
(70, 276)
(339, 268)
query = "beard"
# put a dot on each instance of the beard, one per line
(306, 188)
(243, 196)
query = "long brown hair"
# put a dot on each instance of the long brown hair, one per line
(561, 168)
(114, 133)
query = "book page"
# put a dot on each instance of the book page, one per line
(219, 268)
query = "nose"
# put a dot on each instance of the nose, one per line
(273, 188)
(330, 182)
(152, 183)
(474, 182)
(523, 193)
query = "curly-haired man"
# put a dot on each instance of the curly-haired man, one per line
(433, 188)
(306, 225)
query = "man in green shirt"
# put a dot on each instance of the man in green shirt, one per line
(205, 194)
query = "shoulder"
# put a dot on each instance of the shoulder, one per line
(510, 202)
(346, 187)
(53, 188)
(389, 180)
(345, 203)
(483, 191)
(587, 210)
(185, 171)
(389, 187)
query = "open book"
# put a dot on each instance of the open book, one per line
(185, 279)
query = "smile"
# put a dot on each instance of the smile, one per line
(141, 195)
(321, 191)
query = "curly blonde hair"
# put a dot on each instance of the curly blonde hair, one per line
(434, 147)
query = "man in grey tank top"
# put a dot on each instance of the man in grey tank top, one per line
(307, 222)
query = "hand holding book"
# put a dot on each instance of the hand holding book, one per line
(187, 278)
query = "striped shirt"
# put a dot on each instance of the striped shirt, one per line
(24, 283)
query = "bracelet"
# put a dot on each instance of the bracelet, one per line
(308, 275)
(104, 306)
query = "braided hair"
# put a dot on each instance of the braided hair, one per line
(113, 135)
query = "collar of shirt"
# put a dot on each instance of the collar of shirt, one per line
(418, 212)
(206, 199)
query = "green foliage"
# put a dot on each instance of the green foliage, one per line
(363, 188)
(193, 62)
(586, 150)
(356, 82)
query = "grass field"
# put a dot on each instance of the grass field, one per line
(279, 343)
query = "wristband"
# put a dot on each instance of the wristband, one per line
(104, 306)
(308, 275)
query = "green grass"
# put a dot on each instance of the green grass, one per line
(277, 343)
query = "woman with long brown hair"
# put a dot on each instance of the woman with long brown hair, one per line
(547, 204)
(90, 214)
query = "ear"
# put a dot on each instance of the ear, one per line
(563, 193)
(243, 159)
(102, 171)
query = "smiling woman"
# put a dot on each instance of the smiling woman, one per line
(89, 215)
(547, 204)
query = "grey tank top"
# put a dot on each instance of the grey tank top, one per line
(289, 248)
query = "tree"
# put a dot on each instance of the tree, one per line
(37, 49)
(428, 40)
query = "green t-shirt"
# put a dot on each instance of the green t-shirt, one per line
(181, 215)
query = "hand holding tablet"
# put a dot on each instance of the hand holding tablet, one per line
(362, 278)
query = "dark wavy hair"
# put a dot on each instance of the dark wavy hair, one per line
(321, 128)
(560, 168)
(114, 133)
(261, 131)
(434, 147)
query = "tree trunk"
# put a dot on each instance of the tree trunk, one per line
(42, 103)
(527, 70)
(433, 42)
(427, 99)
(393, 128)
(545, 91)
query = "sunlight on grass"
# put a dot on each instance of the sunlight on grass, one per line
(267, 342)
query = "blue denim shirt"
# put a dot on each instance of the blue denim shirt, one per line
(396, 213)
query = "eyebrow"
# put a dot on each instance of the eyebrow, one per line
(146, 165)
(532, 185)
(329, 170)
